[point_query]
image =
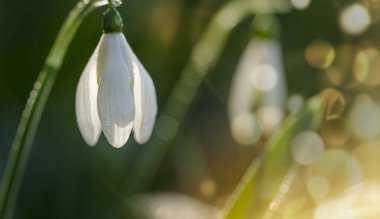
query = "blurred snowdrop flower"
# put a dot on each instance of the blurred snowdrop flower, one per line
(258, 87)
(171, 206)
(115, 93)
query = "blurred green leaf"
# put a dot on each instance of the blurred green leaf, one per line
(266, 173)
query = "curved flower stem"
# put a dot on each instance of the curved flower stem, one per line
(203, 58)
(31, 115)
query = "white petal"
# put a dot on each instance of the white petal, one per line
(259, 84)
(241, 92)
(86, 102)
(145, 100)
(115, 96)
(276, 97)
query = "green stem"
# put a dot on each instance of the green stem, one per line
(31, 115)
(203, 58)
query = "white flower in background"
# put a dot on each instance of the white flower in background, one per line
(258, 92)
(115, 93)
(171, 206)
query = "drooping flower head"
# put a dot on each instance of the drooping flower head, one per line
(258, 89)
(115, 93)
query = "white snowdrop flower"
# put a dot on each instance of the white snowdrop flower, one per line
(258, 88)
(115, 93)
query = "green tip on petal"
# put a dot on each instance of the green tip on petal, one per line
(266, 26)
(112, 21)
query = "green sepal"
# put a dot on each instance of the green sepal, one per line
(112, 21)
(266, 26)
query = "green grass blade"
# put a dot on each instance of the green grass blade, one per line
(267, 171)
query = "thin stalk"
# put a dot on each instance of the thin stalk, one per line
(205, 55)
(32, 113)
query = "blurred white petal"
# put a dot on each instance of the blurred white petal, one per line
(86, 102)
(272, 55)
(172, 206)
(145, 99)
(259, 84)
(115, 97)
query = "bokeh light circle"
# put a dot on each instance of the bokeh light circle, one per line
(307, 148)
(246, 129)
(355, 19)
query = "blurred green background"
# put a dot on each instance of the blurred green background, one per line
(65, 178)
